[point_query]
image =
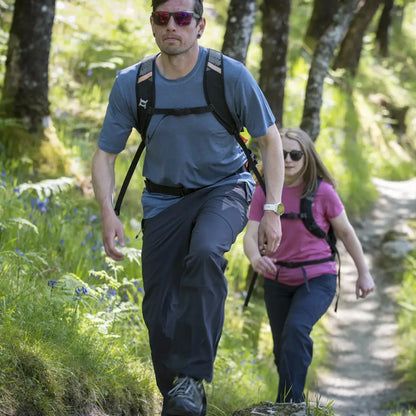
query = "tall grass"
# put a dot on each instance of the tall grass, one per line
(407, 326)
(70, 319)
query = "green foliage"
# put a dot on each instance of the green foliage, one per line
(70, 318)
(407, 323)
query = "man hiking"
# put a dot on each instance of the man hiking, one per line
(196, 199)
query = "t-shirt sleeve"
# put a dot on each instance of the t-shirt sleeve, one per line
(247, 100)
(257, 203)
(120, 118)
(333, 205)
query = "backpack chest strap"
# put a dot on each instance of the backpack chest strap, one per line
(181, 111)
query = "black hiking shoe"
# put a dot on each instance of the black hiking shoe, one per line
(186, 398)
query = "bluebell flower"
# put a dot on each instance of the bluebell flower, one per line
(17, 251)
(111, 292)
(52, 283)
(89, 235)
(93, 218)
(4, 174)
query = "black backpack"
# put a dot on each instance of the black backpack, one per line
(309, 221)
(216, 103)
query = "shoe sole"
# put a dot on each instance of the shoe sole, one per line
(183, 412)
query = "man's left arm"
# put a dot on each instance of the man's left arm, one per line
(270, 230)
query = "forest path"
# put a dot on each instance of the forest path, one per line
(362, 380)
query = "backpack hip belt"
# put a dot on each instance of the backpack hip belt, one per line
(180, 191)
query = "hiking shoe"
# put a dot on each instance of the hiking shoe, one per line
(186, 398)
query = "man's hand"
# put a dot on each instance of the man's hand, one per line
(270, 233)
(112, 230)
(103, 183)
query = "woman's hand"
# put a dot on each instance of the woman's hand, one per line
(364, 285)
(264, 264)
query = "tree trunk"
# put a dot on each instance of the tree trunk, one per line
(322, 15)
(241, 19)
(351, 46)
(319, 66)
(384, 26)
(275, 22)
(25, 92)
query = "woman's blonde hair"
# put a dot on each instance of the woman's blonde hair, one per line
(313, 167)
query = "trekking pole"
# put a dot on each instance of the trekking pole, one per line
(250, 289)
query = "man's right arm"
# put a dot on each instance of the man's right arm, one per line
(103, 181)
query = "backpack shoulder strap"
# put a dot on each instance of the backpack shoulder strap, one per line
(214, 87)
(307, 217)
(145, 97)
(215, 91)
(312, 226)
(145, 93)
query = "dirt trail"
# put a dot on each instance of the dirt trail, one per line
(362, 380)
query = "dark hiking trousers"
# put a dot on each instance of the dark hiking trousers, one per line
(183, 276)
(292, 312)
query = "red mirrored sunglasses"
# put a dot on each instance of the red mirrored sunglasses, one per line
(181, 18)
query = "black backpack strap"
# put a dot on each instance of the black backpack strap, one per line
(145, 93)
(128, 178)
(145, 97)
(215, 96)
(308, 219)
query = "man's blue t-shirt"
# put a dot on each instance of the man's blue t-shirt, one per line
(192, 151)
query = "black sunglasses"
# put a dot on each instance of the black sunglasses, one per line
(295, 155)
(181, 18)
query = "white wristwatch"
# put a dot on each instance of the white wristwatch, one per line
(278, 208)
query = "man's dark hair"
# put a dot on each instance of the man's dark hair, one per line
(198, 6)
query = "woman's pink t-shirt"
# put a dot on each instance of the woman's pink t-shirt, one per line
(297, 243)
